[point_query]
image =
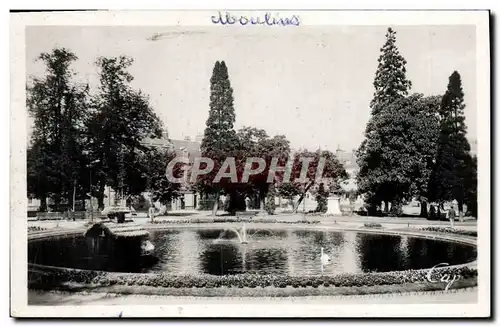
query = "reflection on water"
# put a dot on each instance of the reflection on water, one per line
(218, 252)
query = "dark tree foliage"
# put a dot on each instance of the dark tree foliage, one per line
(121, 119)
(390, 82)
(448, 180)
(397, 160)
(289, 190)
(470, 184)
(219, 139)
(255, 143)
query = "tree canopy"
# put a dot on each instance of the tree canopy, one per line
(57, 105)
(79, 136)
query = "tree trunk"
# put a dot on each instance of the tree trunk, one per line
(423, 209)
(460, 206)
(100, 197)
(57, 202)
(302, 196)
(396, 208)
(43, 204)
(216, 204)
(372, 209)
(233, 203)
(460, 210)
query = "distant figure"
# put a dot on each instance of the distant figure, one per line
(151, 213)
(451, 215)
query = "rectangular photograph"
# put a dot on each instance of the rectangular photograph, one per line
(250, 164)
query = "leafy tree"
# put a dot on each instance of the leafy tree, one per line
(57, 105)
(219, 138)
(161, 189)
(333, 171)
(121, 119)
(322, 199)
(270, 205)
(390, 85)
(288, 191)
(396, 162)
(255, 143)
(453, 154)
(426, 137)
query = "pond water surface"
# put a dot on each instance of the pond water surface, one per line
(292, 252)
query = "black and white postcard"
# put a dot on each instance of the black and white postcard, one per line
(250, 164)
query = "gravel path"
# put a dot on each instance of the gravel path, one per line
(62, 298)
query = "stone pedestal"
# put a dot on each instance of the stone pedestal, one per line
(334, 206)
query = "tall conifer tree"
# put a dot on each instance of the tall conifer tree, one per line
(448, 180)
(220, 139)
(390, 85)
(390, 81)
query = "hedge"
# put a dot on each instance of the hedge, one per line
(54, 276)
(449, 230)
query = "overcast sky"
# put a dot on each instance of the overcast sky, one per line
(313, 84)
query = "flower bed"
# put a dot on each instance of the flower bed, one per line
(36, 229)
(47, 277)
(373, 225)
(449, 230)
(234, 220)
